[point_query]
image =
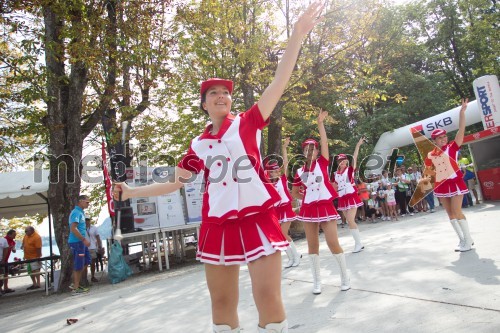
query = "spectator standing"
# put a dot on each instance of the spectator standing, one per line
(78, 243)
(364, 195)
(390, 197)
(471, 181)
(32, 247)
(402, 186)
(94, 247)
(3, 267)
(7, 250)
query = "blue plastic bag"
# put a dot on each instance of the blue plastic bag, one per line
(118, 269)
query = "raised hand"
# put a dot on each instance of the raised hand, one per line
(286, 142)
(465, 102)
(321, 116)
(309, 18)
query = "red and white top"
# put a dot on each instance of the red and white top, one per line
(236, 185)
(317, 187)
(345, 181)
(445, 162)
(281, 187)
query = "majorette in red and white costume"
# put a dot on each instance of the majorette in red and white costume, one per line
(346, 187)
(238, 220)
(317, 204)
(284, 209)
(449, 178)
(449, 181)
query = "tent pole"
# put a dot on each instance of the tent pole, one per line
(50, 237)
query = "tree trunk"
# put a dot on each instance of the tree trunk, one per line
(64, 108)
(274, 136)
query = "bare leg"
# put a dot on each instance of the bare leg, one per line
(76, 278)
(331, 236)
(284, 229)
(222, 282)
(311, 229)
(265, 273)
(351, 217)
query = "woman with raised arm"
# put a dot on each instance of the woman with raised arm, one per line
(284, 208)
(349, 200)
(450, 186)
(317, 208)
(238, 222)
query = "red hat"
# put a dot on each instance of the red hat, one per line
(214, 81)
(310, 142)
(437, 132)
(341, 157)
(270, 166)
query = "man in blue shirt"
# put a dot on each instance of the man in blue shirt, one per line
(78, 243)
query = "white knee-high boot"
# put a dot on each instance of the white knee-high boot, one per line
(275, 327)
(468, 242)
(458, 230)
(225, 329)
(345, 281)
(296, 255)
(358, 246)
(289, 254)
(315, 273)
(293, 256)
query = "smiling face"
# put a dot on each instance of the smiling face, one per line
(274, 174)
(343, 164)
(310, 152)
(217, 101)
(441, 140)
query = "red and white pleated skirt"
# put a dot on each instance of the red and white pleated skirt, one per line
(450, 188)
(321, 211)
(285, 213)
(240, 241)
(349, 201)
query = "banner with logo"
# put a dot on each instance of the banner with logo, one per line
(487, 93)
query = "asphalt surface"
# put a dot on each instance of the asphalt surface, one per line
(408, 279)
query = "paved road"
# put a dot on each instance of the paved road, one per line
(408, 279)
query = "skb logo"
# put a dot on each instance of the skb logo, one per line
(438, 124)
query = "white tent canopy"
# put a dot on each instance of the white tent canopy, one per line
(23, 193)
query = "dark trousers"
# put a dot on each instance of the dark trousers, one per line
(401, 201)
(430, 200)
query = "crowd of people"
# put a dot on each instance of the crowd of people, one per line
(387, 196)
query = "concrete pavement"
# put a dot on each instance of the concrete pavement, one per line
(408, 279)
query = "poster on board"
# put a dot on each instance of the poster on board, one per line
(145, 208)
(170, 210)
(145, 213)
(194, 198)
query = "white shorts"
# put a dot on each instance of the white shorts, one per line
(36, 265)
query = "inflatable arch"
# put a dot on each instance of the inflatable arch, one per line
(487, 110)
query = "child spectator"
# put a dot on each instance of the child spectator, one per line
(390, 196)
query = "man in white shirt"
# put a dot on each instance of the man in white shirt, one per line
(95, 246)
